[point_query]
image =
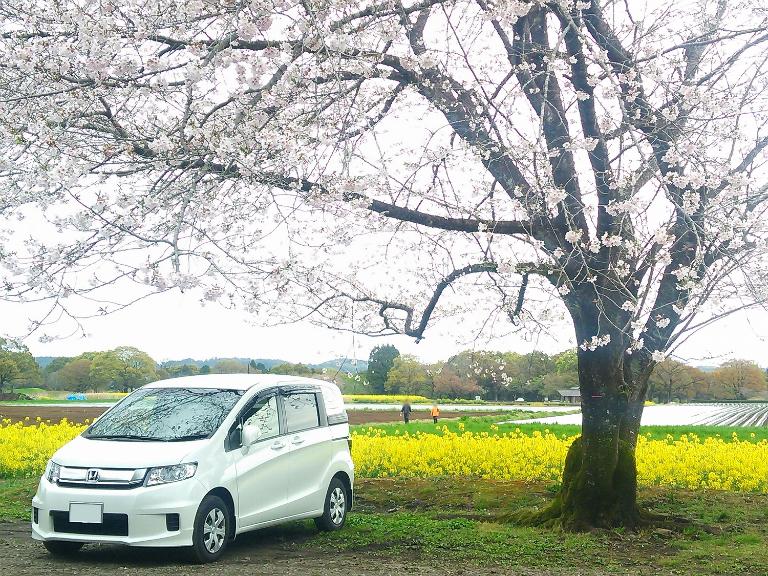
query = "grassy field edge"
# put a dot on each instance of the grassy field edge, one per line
(457, 520)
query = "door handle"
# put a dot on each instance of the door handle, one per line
(297, 440)
(278, 446)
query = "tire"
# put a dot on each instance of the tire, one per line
(335, 509)
(62, 547)
(211, 530)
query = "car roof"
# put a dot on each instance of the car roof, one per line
(234, 381)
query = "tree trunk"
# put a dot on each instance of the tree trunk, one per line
(599, 488)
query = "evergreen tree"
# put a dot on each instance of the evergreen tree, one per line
(380, 362)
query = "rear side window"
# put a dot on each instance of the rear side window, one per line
(301, 411)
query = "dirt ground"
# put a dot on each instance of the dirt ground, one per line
(79, 414)
(264, 552)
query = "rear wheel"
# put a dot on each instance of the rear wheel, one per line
(62, 547)
(336, 506)
(211, 530)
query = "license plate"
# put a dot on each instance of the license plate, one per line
(86, 513)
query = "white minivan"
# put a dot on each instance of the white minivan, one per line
(195, 461)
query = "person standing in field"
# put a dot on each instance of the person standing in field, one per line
(435, 412)
(406, 412)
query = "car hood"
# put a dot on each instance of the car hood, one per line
(86, 453)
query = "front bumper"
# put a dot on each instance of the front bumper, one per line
(145, 510)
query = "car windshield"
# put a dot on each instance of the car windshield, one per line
(165, 414)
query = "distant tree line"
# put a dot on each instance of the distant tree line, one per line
(508, 376)
(126, 368)
(120, 370)
(17, 366)
(492, 376)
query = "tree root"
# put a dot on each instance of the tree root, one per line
(579, 507)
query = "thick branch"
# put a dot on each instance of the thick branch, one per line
(418, 332)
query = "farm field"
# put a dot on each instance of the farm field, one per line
(77, 413)
(690, 457)
(721, 414)
(717, 414)
(443, 523)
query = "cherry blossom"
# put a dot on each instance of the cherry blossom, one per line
(379, 166)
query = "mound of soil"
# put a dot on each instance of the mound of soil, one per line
(12, 396)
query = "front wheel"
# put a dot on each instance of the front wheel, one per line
(336, 506)
(211, 530)
(62, 547)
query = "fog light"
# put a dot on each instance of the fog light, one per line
(172, 522)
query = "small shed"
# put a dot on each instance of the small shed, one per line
(572, 395)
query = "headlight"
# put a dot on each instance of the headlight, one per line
(166, 474)
(52, 472)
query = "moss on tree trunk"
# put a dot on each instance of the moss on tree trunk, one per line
(582, 504)
(599, 487)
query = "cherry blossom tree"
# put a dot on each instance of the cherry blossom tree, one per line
(378, 166)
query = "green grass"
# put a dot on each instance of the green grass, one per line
(479, 424)
(724, 432)
(16, 498)
(474, 424)
(457, 521)
(462, 539)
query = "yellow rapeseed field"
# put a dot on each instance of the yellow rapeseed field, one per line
(385, 399)
(687, 462)
(25, 450)
(690, 462)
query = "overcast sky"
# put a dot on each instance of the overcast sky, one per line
(173, 326)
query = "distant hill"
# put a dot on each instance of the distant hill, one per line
(211, 361)
(341, 364)
(43, 361)
(707, 368)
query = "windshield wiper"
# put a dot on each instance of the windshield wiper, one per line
(129, 437)
(200, 436)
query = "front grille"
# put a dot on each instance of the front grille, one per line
(172, 522)
(35, 515)
(99, 485)
(112, 525)
(109, 478)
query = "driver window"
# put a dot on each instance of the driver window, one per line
(264, 415)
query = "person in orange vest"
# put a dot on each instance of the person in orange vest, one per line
(435, 412)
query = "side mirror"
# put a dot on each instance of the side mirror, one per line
(251, 433)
